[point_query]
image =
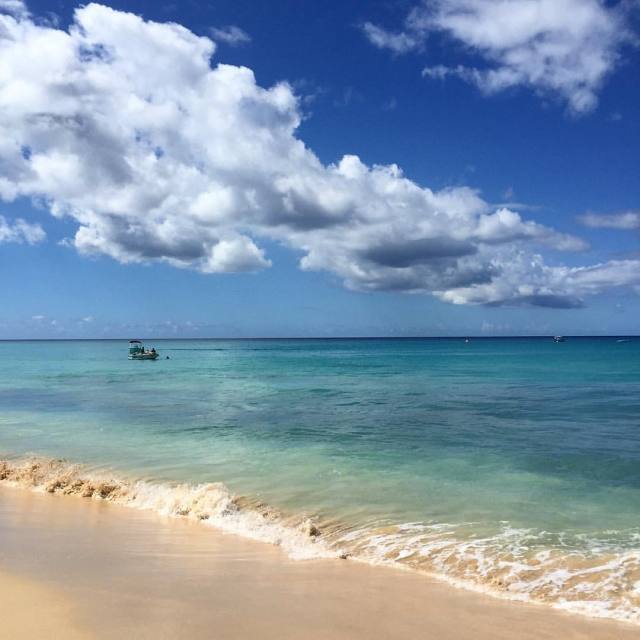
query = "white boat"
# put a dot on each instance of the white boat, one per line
(559, 339)
(137, 351)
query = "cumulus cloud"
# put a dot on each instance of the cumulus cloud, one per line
(625, 220)
(20, 232)
(231, 35)
(125, 127)
(529, 281)
(561, 47)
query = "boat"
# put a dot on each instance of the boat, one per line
(559, 339)
(137, 351)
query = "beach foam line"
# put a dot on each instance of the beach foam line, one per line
(595, 577)
(597, 580)
(210, 504)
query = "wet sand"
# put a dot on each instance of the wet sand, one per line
(86, 569)
(30, 610)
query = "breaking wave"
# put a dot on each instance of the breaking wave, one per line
(593, 575)
(212, 503)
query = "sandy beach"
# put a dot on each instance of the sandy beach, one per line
(96, 570)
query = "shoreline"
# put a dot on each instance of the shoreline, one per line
(213, 508)
(116, 570)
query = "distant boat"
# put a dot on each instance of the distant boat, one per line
(467, 340)
(623, 340)
(559, 339)
(137, 351)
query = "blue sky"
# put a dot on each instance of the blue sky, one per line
(552, 141)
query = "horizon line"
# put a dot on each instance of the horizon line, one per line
(414, 337)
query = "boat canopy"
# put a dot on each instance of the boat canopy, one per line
(135, 342)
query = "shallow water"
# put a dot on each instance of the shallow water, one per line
(511, 465)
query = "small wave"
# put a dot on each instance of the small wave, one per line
(211, 503)
(591, 576)
(596, 576)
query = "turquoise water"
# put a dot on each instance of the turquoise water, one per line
(511, 465)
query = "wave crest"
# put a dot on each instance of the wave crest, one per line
(210, 503)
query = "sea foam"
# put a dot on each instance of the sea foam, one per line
(211, 504)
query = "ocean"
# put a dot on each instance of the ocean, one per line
(510, 466)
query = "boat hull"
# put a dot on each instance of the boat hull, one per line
(143, 356)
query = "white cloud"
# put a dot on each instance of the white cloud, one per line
(124, 127)
(505, 225)
(14, 7)
(231, 35)
(529, 281)
(561, 47)
(625, 220)
(20, 231)
(398, 42)
(235, 255)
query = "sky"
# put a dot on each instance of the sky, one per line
(295, 168)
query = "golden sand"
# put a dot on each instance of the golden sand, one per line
(31, 610)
